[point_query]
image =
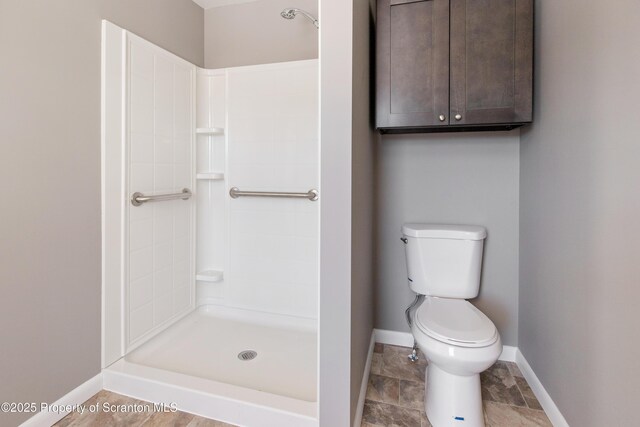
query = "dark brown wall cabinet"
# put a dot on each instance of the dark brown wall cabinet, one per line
(454, 65)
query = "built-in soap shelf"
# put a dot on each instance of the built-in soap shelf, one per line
(211, 199)
(210, 131)
(210, 276)
(215, 176)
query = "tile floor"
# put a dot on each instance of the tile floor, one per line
(396, 391)
(125, 419)
(394, 399)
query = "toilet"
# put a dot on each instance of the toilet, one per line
(444, 263)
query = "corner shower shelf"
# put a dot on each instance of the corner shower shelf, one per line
(211, 175)
(210, 131)
(209, 276)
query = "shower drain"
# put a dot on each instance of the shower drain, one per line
(247, 355)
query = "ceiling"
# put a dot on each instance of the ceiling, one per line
(208, 4)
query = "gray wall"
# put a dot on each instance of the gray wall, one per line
(362, 194)
(580, 205)
(336, 53)
(255, 33)
(463, 178)
(50, 182)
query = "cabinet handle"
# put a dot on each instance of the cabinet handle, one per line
(458, 117)
(442, 117)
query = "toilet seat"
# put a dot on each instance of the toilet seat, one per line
(456, 322)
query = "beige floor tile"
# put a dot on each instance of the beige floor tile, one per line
(168, 419)
(99, 397)
(109, 417)
(385, 415)
(383, 389)
(498, 385)
(527, 393)
(513, 369)
(376, 363)
(132, 418)
(204, 422)
(411, 394)
(396, 364)
(501, 415)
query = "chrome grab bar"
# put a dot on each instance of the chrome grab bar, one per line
(311, 194)
(137, 199)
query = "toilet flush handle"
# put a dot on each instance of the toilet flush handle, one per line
(404, 240)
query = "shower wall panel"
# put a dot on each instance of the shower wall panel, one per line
(159, 279)
(211, 213)
(273, 146)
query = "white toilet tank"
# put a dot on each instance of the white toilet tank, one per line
(444, 260)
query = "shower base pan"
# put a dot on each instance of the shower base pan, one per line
(237, 366)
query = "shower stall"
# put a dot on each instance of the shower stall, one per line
(211, 212)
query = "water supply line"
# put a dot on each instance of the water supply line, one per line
(408, 313)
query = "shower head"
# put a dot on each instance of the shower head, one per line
(290, 13)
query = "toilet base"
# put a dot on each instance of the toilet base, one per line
(453, 400)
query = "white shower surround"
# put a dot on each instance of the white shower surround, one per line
(273, 146)
(281, 150)
(160, 159)
(258, 130)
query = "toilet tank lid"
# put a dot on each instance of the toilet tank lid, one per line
(445, 231)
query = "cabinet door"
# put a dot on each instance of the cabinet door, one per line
(413, 63)
(491, 61)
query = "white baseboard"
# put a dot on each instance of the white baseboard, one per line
(402, 339)
(76, 396)
(549, 406)
(365, 381)
(508, 353)
(405, 339)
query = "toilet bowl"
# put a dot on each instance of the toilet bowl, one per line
(457, 339)
(457, 351)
